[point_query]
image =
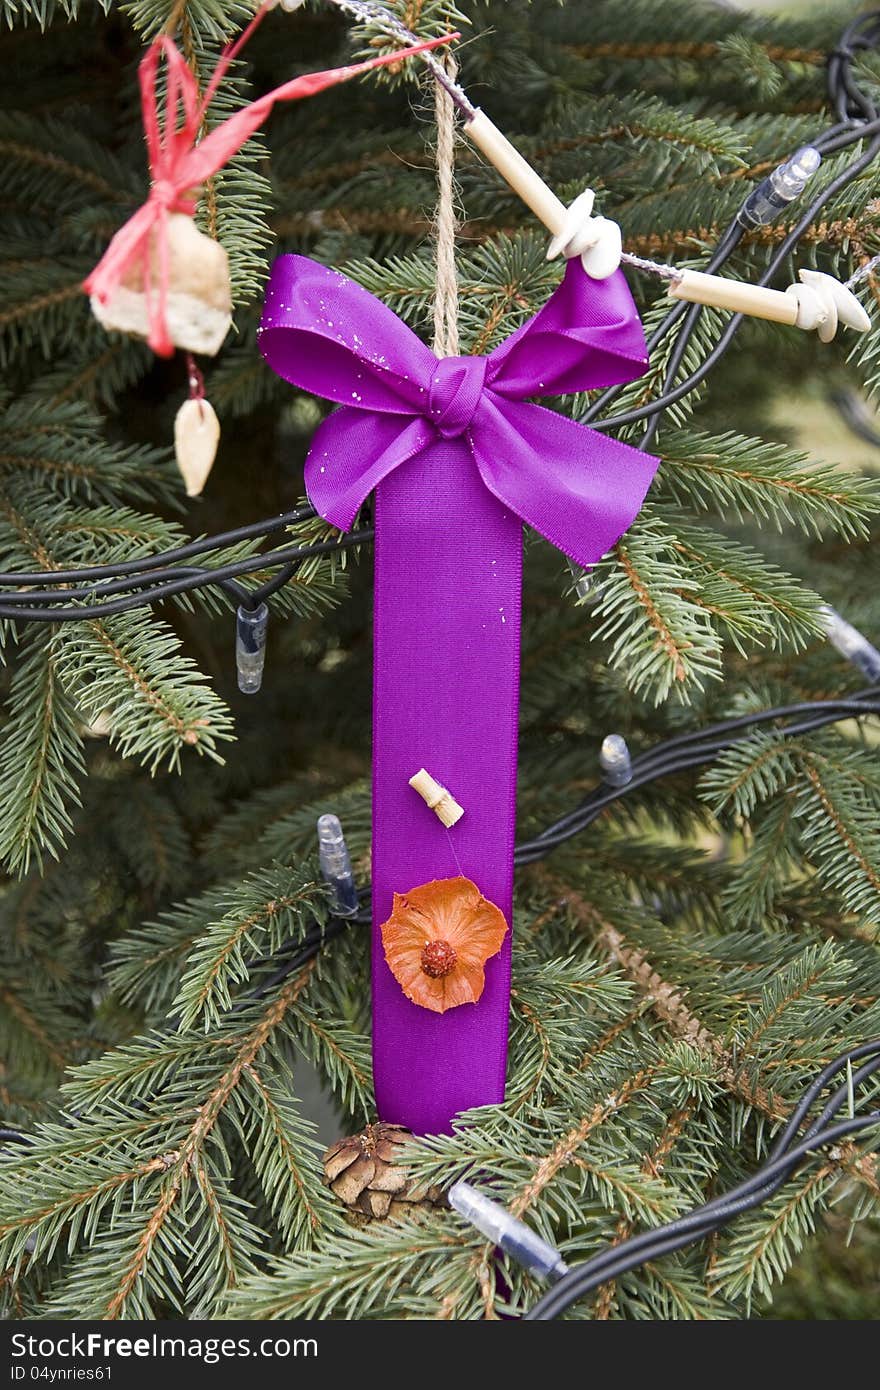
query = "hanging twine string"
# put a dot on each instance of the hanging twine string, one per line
(862, 273)
(369, 13)
(445, 226)
(446, 223)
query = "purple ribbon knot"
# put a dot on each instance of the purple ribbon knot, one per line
(459, 458)
(455, 393)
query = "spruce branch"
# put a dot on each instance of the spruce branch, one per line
(155, 698)
(187, 1158)
(744, 478)
(41, 761)
(264, 912)
(135, 1264)
(283, 1148)
(59, 447)
(658, 634)
(383, 1269)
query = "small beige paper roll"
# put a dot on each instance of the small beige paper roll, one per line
(441, 802)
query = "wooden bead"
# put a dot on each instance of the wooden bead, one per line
(513, 167)
(742, 298)
(820, 302)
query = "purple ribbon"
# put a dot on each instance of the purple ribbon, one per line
(458, 460)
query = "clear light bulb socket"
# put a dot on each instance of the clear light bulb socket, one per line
(251, 625)
(335, 861)
(516, 1239)
(851, 644)
(773, 195)
(615, 761)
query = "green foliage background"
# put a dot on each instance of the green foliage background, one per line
(684, 967)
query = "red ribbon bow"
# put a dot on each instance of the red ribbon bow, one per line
(179, 165)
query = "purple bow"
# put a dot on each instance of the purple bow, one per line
(579, 489)
(458, 459)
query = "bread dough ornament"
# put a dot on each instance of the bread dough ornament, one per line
(189, 306)
(161, 278)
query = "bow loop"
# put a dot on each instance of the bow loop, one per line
(455, 393)
(329, 336)
(587, 335)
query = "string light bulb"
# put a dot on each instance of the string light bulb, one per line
(780, 188)
(615, 761)
(582, 583)
(517, 1239)
(335, 861)
(851, 644)
(251, 625)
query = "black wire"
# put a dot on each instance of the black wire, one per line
(855, 413)
(158, 590)
(782, 1160)
(753, 1192)
(583, 1281)
(258, 596)
(842, 1095)
(742, 721)
(609, 1264)
(676, 357)
(23, 597)
(691, 750)
(847, 132)
(832, 1106)
(308, 947)
(200, 546)
(862, 33)
(810, 1095)
(661, 761)
(684, 388)
(725, 248)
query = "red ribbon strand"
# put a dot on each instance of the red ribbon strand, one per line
(180, 163)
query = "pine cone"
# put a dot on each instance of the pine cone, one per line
(368, 1173)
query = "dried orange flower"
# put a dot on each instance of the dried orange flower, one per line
(437, 940)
